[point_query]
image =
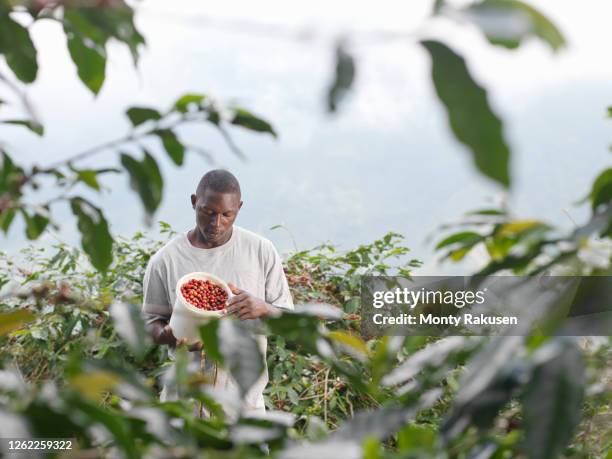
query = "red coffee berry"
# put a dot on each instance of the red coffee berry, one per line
(204, 294)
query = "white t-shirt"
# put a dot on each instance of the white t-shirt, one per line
(247, 260)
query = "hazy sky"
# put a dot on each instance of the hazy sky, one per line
(386, 162)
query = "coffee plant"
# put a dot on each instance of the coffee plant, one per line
(76, 362)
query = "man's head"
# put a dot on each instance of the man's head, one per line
(216, 203)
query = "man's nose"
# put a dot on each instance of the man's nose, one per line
(216, 220)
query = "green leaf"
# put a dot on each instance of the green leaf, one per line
(139, 115)
(146, 179)
(93, 385)
(300, 326)
(7, 172)
(499, 248)
(350, 340)
(471, 118)
(32, 125)
(90, 178)
(519, 227)
(95, 236)
(248, 120)
(415, 437)
(116, 21)
(130, 327)
(437, 7)
(459, 254)
(49, 422)
(18, 49)
(465, 238)
(489, 381)
(89, 29)
(90, 60)
(601, 192)
(382, 421)
(121, 428)
(509, 22)
(6, 218)
(552, 401)
(35, 224)
(437, 355)
(240, 353)
(172, 145)
(343, 78)
(87, 44)
(14, 320)
(372, 449)
(209, 333)
(493, 212)
(232, 344)
(188, 100)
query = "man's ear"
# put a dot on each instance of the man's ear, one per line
(193, 200)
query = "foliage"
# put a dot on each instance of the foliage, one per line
(77, 364)
(531, 247)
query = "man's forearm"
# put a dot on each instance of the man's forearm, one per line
(272, 310)
(156, 330)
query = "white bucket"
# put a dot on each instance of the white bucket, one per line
(186, 318)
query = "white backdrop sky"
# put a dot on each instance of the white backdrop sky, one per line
(386, 162)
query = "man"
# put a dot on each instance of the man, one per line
(247, 262)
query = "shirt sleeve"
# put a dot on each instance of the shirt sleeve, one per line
(155, 305)
(277, 288)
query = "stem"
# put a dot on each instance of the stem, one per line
(325, 396)
(230, 143)
(131, 137)
(22, 96)
(93, 150)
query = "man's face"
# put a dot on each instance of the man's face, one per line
(215, 214)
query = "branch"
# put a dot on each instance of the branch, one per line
(29, 108)
(230, 143)
(131, 137)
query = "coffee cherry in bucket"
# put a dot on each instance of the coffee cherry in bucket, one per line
(204, 294)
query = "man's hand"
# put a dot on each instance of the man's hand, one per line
(246, 306)
(162, 334)
(197, 346)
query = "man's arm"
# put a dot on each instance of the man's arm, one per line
(246, 306)
(156, 310)
(162, 333)
(277, 294)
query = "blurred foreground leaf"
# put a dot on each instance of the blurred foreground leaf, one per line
(248, 120)
(95, 236)
(601, 191)
(14, 320)
(233, 345)
(470, 116)
(139, 115)
(509, 22)
(343, 78)
(17, 47)
(146, 179)
(130, 327)
(33, 126)
(553, 399)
